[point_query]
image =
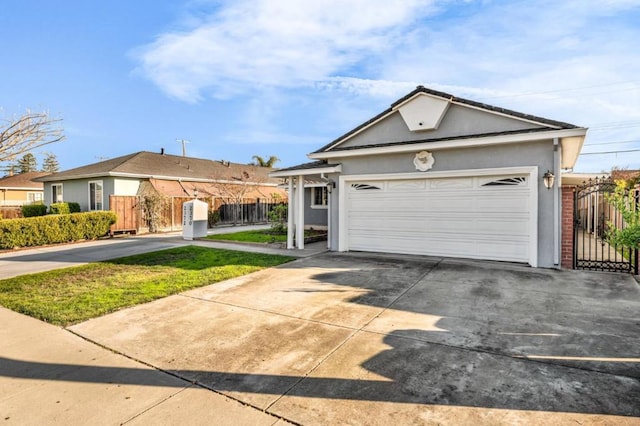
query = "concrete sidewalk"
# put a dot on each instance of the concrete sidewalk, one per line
(51, 376)
(39, 259)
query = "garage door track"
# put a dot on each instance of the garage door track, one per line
(380, 339)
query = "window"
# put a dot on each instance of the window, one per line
(319, 196)
(34, 197)
(95, 195)
(56, 193)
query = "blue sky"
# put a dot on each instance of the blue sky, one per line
(284, 77)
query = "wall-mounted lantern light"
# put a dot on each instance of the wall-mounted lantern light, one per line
(330, 185)
(548, 179)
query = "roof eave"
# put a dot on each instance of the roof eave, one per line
(452, 143)
(305, 172)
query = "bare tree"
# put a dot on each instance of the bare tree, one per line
(29, 131)
(236, 186)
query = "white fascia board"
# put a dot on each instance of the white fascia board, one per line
(306, 172)
(571, 147)
(451, 143)
(16, 188)
(159, 177)
(502, 114)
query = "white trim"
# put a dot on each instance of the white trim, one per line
(557, 158)
(16, 188)
(452, 100)
(305, 172)
(312, 194)
(532, 171)
(290, 213)
(479, 108)
(451, 143)
(61, 193)
(100, 182)
(300, 214)
(159, 177)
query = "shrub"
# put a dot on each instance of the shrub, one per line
(74, 207)
(278, 218)
(153, 206)
(31, 210)
(52, 229)
(214, 217)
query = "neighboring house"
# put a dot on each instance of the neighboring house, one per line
(169, 175)
(21, 189)
(439, 175)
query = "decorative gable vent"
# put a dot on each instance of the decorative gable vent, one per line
(423, 112)
(510, 181)
(364, 187)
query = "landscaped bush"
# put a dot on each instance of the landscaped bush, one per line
(52, 229)
(31, 210)
(74, 207)
(64, 208)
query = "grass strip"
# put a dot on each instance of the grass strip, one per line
(71, 295)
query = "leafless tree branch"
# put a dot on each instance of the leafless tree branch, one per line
(27, 132)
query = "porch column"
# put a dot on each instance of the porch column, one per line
(566, 255)
(300, 213)
(290, 210)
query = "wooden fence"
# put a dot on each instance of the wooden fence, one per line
(222, 211)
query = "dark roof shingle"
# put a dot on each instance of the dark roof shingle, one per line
(146, 164)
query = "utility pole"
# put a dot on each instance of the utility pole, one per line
(184, 146)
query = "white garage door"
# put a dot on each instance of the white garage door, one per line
(487, 217)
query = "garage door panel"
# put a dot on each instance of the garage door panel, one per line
(445, 246)
(443, 217)
(449, 225)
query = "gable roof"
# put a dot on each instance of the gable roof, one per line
(150, 165)
(23, 181)
(544, 123)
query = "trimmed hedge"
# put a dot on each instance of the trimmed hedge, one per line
(53, 229)
(64, 208)
(31, 210)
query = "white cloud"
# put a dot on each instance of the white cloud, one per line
(573, 61)
(287, 43)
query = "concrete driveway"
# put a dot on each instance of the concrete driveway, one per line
(378, 339)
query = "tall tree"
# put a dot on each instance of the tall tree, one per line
(260, 161)
(24, 133)
(50, 163)
(27, 163)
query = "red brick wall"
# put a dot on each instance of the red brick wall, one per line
(566, 254)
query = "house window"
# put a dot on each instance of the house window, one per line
(56, 193)
(34, 197)
(319, 197)
(95, 195)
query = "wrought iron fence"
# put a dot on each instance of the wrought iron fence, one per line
(593, 215)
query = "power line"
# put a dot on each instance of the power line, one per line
(613, 142)
(610, 152)
(518, 95)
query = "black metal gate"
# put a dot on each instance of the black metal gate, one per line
(593, 215)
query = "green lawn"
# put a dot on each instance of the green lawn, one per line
(259, 236)
(71, 295)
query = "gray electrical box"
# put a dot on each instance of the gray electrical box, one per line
(194, 219)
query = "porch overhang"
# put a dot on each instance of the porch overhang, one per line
(306, 171)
